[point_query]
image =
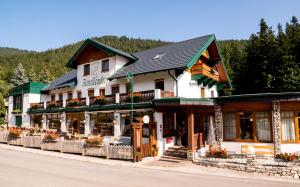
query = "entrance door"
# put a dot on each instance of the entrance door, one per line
(19, 121)
(201, 125)
(182, 129)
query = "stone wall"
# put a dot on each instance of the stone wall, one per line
(251, 164)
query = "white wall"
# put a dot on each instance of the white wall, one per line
(189, 88)
(11, 118)
(236, 147)
(290, 148)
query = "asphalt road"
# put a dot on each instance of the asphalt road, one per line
(28, 169)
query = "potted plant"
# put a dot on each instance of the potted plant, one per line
(50, 137)
(217, 153)
(154, 150)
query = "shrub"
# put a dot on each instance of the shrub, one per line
(50, 137)
(215, 153)
(287, 156)
(94, 140)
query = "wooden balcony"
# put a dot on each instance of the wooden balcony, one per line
(37, 106)
(54, 104)
(102, 100)
(138, 97)
(75, 103)
(205, 70)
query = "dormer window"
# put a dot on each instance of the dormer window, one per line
(86, 70)
(105, 65)
(158, 56)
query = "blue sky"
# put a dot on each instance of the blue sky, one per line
(43, 24)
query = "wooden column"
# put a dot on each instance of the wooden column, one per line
(190, 128)
(137, 141)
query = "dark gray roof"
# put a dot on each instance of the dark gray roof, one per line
(67, 80)
(172, 56)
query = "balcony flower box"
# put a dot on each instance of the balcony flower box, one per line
(73, 102)
(137, 96)
(99, 100)
(53, 104)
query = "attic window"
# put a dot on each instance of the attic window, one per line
(158, 56)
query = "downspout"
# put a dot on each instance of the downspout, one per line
(176, 82)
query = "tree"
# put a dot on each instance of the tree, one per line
(2, 110)
(32, 75)
(45, 75)
(19, 76)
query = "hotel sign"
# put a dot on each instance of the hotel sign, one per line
(93, 81)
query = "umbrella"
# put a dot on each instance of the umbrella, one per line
(211, 137)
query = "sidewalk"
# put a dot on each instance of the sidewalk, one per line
(154, 164)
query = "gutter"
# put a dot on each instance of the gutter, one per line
(176, 81)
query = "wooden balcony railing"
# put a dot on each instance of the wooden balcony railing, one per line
(166, 94)
(34, 106)
(55, 104)
(138, 97)
(102, 100)
(73, 103)
(205, 70)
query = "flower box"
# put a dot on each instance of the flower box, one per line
(72, 146)
(95, 150)
(52, 146)
(16, 141)
(33, 141)
(3, 136)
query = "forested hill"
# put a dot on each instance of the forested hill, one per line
(51, 63)
(269, 61)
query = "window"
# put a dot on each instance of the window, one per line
(246, 126)
(105, 65)
(114, 90)
(288, 126)
(229, 126)
(263, 126)
(212, 93)
(60, 97)
(159, 84)
(52, 97)
(18, 102)
(102, 91)
(79, 94)
(91, 93)
(202, 92)
(102, 124)
(70, 95)
(127, 88)
(86, 69)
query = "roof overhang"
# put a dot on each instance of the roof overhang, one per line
(72, 62)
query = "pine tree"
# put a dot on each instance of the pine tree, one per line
(45, 75)
(19, 76)
(32, 75)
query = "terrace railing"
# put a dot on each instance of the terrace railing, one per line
(138, 97)
(35, 106)
(73, 103)
(102, 100)
(54, 104)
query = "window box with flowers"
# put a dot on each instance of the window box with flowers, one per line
(73, 102)
(137, 96)
(52, 104)
(287, 157)
(99, 100)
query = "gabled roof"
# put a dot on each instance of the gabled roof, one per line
(179, 55)
(67, 80)
(71, 63)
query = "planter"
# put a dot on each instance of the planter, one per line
(3, 137)
(16, 141)
(120, 152)
(52, 146)
(72, 146)
(33, 141)
(95, 150)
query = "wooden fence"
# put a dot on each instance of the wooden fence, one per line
(3, 137)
